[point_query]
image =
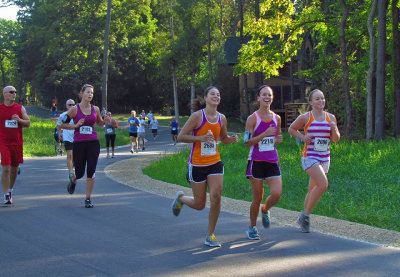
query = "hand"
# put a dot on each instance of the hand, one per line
(270, 132)
(209, 137)
(278, 138)
(80, 123)
(307, 139)
(235, 138)
(15, 117)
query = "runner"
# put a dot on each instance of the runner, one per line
(149, 118)
(67, 138)
(110, 132)
(319, 127)
(13, 118)
(154, 127)
(142, 131)
(86, 148)
(263, 130)
(133, 124)
(174, 127)
(205, 168)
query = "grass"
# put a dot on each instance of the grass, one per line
(364, 179)
(39, 137)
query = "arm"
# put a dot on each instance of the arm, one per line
(71, 114)
(223, 135)
(24, 121)
(193, 122)
(278, 136)
(298, 124)
(99, 119)
(335, 135)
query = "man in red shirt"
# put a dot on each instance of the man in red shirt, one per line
(13, 118)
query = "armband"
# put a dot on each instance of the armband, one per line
(246, 136)
(66, 119)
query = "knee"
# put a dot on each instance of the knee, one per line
(199, 205)
(276, 196)
(257, 199)
(215, 198)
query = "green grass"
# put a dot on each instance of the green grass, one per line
(364, 179)
(39, 137)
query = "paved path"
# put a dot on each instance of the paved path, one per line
(47, 232)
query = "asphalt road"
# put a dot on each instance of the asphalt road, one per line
(47, 232)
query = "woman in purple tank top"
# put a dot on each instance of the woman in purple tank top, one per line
(86, 147)
(263, 131)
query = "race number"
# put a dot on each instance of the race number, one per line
(266, 144)
(85, 130)
(208, 148)
(109, 131)
(321, 144)
(11, 124)
(173, 128)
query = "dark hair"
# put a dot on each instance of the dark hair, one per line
(198, 102)
(86, 86)
(264, 86)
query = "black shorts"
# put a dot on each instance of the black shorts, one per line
(154, 131)
(174, 132)
(133, 135)
(199, 174)
(68, 145)
(110, 138)
(262, 170)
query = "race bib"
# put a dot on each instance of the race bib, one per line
(173, 128)
(11, 124)
(85, 130)
(109, 131)
(208, 149)
(266, 144)
(321, 144)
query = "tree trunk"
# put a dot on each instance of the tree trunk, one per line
(192, 92)
(105, 56)
(210, 77)
(370, 74)
(174, 81)
(396, 66)
(246, 90)
(3, 73)
(258, 75)
(380, 71)
(345, 68)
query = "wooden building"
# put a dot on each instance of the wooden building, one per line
(289, 90)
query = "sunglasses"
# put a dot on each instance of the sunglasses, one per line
(70, 105)
(12, 91)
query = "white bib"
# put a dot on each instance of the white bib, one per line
(321, 144)
(208, 149)
(109, 131)
(266, 144)
(11, 124)
(85, 130)
(173, 128)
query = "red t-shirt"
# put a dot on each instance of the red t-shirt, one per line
(10, 130)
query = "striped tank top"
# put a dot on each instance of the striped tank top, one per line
(86, 131)
(204, 153)
(265, 149)
(320, 132)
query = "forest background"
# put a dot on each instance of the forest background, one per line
(160, 54)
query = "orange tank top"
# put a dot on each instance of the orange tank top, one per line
(204, 153)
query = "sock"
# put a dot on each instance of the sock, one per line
(304, 214)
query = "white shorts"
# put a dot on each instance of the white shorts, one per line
(310, 162)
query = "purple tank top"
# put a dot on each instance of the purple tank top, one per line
(86, 131)
(264, 150)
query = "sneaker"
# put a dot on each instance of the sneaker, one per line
(112, 157)
(176, 204)
(253, 234)
(136, 150)
(143, 148)
(265, 218)
(19, 170)
(88, 203)
(7, 199)
(132, 151)
(71, 186)
(304, 222)
(212, 241)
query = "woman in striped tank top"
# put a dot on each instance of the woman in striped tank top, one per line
(205, 168)
(320, 128)
(264, 128)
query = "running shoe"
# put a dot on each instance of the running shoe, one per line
(88, 203)
(71, 186)
(304, 222)
(7, 199)
(136, 150)
(132, 151)
(176, 204)
(253, 234)
(266, 219)
(212, 241)
(143, 148)
(112, 157)
(19, 170)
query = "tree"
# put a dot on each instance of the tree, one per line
(396, 65)
(105, 56)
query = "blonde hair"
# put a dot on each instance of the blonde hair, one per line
(86, 86)
(310, 97)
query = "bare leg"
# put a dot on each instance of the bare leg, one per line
(258, 193)
(89, 186)
(275, 188)
(215, 185)
(317, 186)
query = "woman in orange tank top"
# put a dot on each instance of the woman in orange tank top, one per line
(205, 168)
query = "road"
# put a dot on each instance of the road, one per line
(47, 232)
